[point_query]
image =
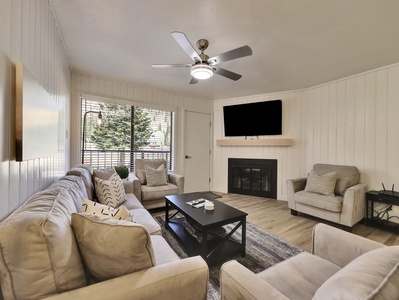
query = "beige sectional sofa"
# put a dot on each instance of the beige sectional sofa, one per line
(41, 258)
(342, 266)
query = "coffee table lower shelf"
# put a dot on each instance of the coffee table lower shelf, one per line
(215, 251)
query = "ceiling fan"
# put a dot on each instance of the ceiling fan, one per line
(203, 66)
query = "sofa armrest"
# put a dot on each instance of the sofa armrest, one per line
(293, 186)
(353, 205)
(177, 180)
(174, 280)
(338, 246)
(237, 282)
(136, 185)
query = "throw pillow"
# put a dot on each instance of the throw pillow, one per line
(373, 275)
(95, 208)
(110, 192)
(156, 177)
(111, 248)
(324, 184)
(141, 176)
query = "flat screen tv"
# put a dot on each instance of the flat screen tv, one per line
(253, 119)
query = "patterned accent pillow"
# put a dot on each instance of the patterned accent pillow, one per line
(111, 248)
(156, 177)
(95, 208)
(323, 184)
(110, 192)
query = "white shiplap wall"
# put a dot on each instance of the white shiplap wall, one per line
(352, 121)
(28, 33)
(130, 93)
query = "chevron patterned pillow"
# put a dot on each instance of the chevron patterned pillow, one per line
(95, 208)
(110, 192)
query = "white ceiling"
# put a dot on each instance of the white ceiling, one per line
(296, 43)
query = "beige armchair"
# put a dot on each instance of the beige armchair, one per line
(341, 266)
(331, 192)
(150, 187)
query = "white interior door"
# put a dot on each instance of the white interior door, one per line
(197, 152)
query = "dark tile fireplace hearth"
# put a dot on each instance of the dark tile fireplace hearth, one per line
(254, 177)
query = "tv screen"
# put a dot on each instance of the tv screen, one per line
(253, 119)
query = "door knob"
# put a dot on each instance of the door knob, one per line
(187, 156)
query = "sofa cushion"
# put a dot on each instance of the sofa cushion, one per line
(156, 177)
(110, 192)
(84, 172)
(37, 245)
(132, 202)
(299, 276)
(95, 208)
(104, 174)
(373, 275)
(347, 176)
(143, 217)
(162, 251)
(321, 184)
(112, 248)
(329, 203)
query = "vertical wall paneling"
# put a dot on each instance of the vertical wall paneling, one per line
(332, 122)
(381, 125)
(28, 33)
(393, 126)
(359, 138)
(370, 129)
(351, 121)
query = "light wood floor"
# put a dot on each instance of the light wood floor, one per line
(274, 216)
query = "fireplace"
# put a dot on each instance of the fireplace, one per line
(255, 177)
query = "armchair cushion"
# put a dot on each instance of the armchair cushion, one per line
(300, 276)
(156, 177)
(157, 192)
(320, 201)
(112, 248)
(373, 275)
(321, 184)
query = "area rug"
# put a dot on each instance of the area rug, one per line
(263, 250)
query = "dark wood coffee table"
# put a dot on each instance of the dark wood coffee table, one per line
(213, 246)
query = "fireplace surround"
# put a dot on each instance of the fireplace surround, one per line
(254, 177)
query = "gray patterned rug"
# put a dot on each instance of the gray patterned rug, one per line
(263, 250)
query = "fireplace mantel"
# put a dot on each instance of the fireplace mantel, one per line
(277, 142)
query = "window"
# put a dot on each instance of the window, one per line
(125, 134)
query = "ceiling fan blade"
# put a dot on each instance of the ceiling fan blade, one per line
(193, 80)
(183, 41)
(171, 66)
(226, 73)
(230, 55)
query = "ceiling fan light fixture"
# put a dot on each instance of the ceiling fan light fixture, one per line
(201, 71)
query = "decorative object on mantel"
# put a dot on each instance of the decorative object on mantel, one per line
(276, 142)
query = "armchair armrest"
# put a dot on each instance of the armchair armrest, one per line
(237, 282)
(353, 205)
(177, 180)
(174, 280)
(338, 246)
(293, 186)
(136, 185)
